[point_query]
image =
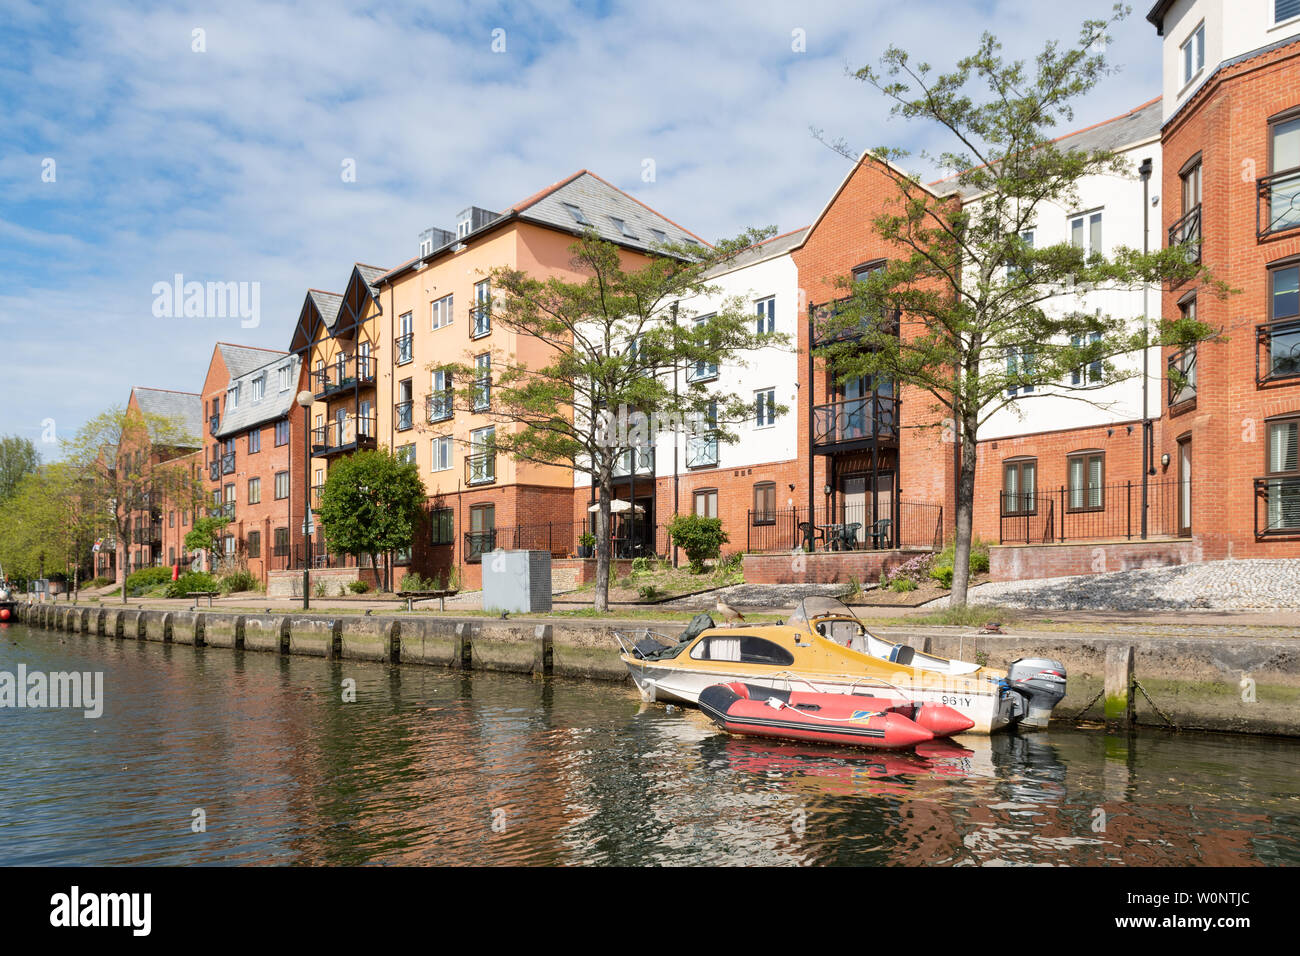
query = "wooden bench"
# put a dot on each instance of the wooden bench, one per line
(412, 596)
(199, 594)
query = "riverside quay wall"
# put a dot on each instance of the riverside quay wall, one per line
(1240, 685)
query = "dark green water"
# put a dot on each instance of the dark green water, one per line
(431, 767)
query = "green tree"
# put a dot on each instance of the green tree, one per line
(701, 538)
(617, 342)
(205, 535)
(980, 312)
(49, 523)
(371, 504)
(124, 459)
(18, 458)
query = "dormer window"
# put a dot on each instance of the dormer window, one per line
(232, 398)
(576, 213)
(259, 387)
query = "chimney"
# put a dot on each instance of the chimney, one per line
(432, 239)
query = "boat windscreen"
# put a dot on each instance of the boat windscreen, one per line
(811, 608)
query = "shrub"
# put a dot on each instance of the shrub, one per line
(320, 588)
(648, 592)
(146, 578)
(100, 582)
(943, 574)
(902, 585)
(240, 580)
(701, 538)
(358, 587)
(191, 581)
(640, 565)
(943, 564)
(915, 569)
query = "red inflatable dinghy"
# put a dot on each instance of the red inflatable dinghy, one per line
(846, 719)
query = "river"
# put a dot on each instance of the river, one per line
(213, 756)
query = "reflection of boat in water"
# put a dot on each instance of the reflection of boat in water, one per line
(824, 648)
(847, 719)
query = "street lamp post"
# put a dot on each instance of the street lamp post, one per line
(305, 399)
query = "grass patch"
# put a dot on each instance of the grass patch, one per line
(972, 615)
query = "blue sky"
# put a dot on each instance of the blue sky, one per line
(225, 165)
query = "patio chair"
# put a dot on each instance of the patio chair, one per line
(880, 533)
(810, 533)
(849, 535)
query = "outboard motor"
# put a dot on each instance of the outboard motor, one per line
(1041, 683)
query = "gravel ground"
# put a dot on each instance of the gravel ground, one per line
(1225, 585)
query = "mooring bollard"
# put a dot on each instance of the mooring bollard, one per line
(1118, 701)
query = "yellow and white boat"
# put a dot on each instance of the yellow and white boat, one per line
(823, 647)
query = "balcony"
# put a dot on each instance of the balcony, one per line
(1277, 351)
(214, 423)
(155, 532)
(1186, 232)
(1181, 376)
(636, 461)
(316, 492)
(478, 543)
(224, 510)
(214, 470)
(1279, 501)
(404, 348)
(702, 372)
(481, 469)
(482, 395)
(403, 419)
(829, 326)
(438, 406)
(353, 372)
(1277, 203)
(228, 463)
(480, 318)
(352, 433)
(702, 451)
(855, 423)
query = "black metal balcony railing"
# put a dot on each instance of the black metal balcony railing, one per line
(354, 370)
(701, 451)
(1182, 376)
(228, 463)
(224, 510)
(155, 532)
(403, 420)
(481, 469)
(1277, 203)
(830, 327)
(214, 423)
(479, 543)
(639, 461)
(855, 423)
(1277, 350)
(1279, 501)
(353, 432)
(316, 491)
(438, 406)
(214, 470)
(848, 525)
(482, 394)
(1097, 512)
(404, 348)
(1186, 232)
(480, 318)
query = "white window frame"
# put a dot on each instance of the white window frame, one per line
(442, 454)
(232, 397)
(764, 401)
(1193, 46)
(1085, 221)
(442, 312)
(765, 309)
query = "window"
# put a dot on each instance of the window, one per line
(1091, 373)
(442, 523)
(1087, 472)
(281, 542)
(576, 213)
(403, 419)
(403, 346)
(482, 532)
(259, 387)
(481, 463)
(482, 309)
(1282, 488)
(1085, 233)
(621, 226)
(764, 407)
(1015, 272)
(1193, 52)
(1020, 363)
(406, 454)
(482, 382)
(281, 485)
(1191, 179)
(1281, 337)
(285, 384)
(171, 519)
(440, 396)
(440, 312)
(1182, 364)
(766, 310)
(742, 648)
(765, 503)
(282, 431)
(1020, 486)
(702, 443)
(706, 503)
(1285, 9)
(228, 544)
(232, 397)
(702, 370)
(441, 454)
(254, 490)
(254, 544)
(1283, 184)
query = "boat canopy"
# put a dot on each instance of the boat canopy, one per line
(811, 608)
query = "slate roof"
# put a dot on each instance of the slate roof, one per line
(599, 203)
(244, 358)
(185, 408)
(1140, 123)
(275, 404)
(768, 249)
(327, 304)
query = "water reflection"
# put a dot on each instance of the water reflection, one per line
(433, 766)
